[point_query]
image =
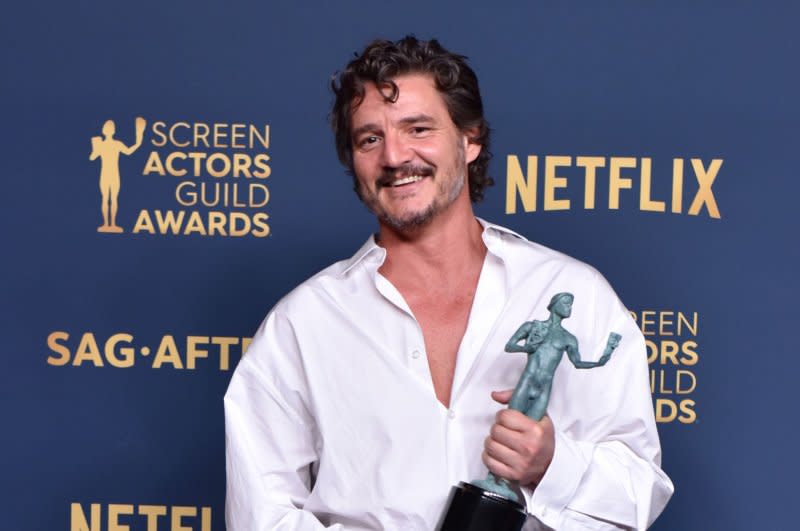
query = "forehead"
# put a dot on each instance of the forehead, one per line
(416, 94)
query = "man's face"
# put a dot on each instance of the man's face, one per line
(410, 159)
(563, 306)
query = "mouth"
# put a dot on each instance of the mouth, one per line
(405, 175)
(404, 181)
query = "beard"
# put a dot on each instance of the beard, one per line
(448, 188)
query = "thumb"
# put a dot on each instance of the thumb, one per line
(502, 396)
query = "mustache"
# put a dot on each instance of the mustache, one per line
(389, 175)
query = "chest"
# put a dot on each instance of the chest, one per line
(443, 321)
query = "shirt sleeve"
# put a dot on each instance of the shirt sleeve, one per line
(605, 472)
(270, 436)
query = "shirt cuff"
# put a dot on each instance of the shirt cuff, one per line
(548, 499)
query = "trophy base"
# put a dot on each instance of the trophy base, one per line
(471, 508)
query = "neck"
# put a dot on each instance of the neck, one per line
(440, 254)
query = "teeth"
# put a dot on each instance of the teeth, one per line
(407, 180)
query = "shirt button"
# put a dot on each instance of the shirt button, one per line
(451, 414)
(416, 354)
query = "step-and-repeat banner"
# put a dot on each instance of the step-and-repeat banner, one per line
(168, 175)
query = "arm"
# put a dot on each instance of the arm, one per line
(605, 472)
(140, 123)
(519, 335)
(575, 356)
(270, 436)
(95, 144)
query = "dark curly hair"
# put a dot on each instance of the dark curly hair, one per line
(383, 60)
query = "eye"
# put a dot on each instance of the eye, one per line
(368, 140)
(419, 130)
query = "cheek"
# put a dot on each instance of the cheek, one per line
(363, 170)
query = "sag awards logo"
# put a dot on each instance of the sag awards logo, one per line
(216, 176)
(688, 190)
(673, 353)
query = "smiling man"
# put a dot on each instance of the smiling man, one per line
(377, 384)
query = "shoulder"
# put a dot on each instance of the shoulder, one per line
(335, 286)
(526, 258)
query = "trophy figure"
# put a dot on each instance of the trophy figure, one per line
(108, 149)
(496, 503)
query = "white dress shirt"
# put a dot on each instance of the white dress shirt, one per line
(332, 421)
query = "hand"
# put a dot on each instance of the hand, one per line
(518, 447)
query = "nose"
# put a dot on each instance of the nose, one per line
(396, 151)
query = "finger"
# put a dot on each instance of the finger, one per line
(499, 468)
(500, 452)
(511, 439)
(515, 420)
(502, 396)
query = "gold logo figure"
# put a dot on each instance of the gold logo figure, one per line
(108, 149)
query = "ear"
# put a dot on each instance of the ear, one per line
(471, 148)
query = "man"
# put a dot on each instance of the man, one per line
(367, 392)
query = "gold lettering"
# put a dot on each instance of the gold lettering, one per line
(127, 352)
(687, 408)
(144, 223)
(88, 351)
(198, 136)
(220, 133)
(169, 222)
(78, 518)
(252, 200)
(677, 186)
(236, 134)
(616, 181)
(645, 202)
(553, 181)
(691, 327)
(241, 164)
(262, 139)
(158, 131)
(261, 161)
(195, 224)
(197, 158)
(704, 196)
(216, 223)
(152, 512)
(663, 320)
(690, 354)
(645, 322)
(153, 164)
(114, 511)
(205, 519)
(171, 168)
(224, 350)
(178, 512)
(680, 385)
(261, 229)
(233, 230)
(52, 343)
(191, 195)
(172, 130)
(192, 352)
(590, 164)
(167, 353)
(226, 165)
(522, 185)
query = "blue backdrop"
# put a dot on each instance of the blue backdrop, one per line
(119, 346)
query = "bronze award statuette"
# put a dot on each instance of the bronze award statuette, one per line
(496, 503)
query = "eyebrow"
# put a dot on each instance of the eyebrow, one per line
(409, 120)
